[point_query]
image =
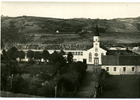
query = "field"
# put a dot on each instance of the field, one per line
(38, 30)
(123, 86)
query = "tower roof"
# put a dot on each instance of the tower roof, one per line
(96, 31)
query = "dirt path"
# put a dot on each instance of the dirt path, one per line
(87, 88)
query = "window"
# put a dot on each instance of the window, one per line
(124, 68)
(102, 54)
(107, 68)
(75, 53)
(114, 68)
(81, 53)
(132, 68)
(78, 53)
(90, 57)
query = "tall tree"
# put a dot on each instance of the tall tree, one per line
(62, 52)
(12, 53)
(30, 54)
(56, 57)
(37, 55)
(4, 54)
(45, 55)
(21, 54)
(70, 57)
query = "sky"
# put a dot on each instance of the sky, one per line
(93, 10)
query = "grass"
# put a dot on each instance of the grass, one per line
(123, 86)
(37, 69)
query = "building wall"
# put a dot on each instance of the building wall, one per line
(120, 69)
(79, 55)
(100, 52)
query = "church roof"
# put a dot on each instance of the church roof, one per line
(120, 52)
(96, 31)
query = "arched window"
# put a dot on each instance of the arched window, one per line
(102, 54)
(90, 57)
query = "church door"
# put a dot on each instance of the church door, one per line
(96, 61)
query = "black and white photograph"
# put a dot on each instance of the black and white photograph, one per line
(57, 49)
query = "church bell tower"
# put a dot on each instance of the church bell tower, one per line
(96, 38)
(96, 44)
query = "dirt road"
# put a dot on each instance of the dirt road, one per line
(87, 88)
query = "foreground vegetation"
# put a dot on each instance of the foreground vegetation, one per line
(59, 77)
(122, 86)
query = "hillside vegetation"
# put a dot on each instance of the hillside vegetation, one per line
(29, 29)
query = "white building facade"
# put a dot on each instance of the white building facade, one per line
(122, 69)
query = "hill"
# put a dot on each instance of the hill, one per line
(29, 29)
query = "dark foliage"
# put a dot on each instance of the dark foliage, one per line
(45, 54)
(30, 54)
(37, 55)
(70, 57)
(71, 79)
(12, 53)
(56, 57)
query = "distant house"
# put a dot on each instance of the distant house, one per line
(117, 48)
(57, 31)
(136, 48)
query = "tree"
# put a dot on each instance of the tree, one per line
(70, 57)
(4, 54)
(21, 55)
(56, 57)
(46, 90)
(30, 54)
(45, 55)
(37, 55)
(13, 69)
(62, 52)
(17, 84)
(53, 57)
(12, 53)
(66, 82)
(79, 67)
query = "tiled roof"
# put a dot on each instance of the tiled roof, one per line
(120, 60)
(120, 52)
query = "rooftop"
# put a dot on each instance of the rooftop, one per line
(121, 60)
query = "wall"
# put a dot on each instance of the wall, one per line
(92, 50)
(119, 69)
(79, 57)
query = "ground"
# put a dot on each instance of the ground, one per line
(10, 94)
(87, 88)
(122, 86)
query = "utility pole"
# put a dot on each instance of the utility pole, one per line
(56, 91)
